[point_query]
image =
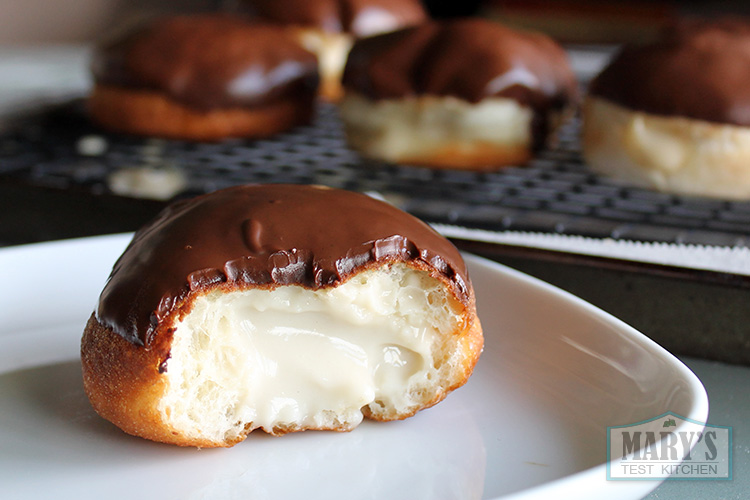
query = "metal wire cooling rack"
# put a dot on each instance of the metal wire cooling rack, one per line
(554, 194)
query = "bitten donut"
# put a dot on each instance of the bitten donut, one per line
(278, 307)
(329, 27)
(674, 115)
(203, 77)
(466, 93)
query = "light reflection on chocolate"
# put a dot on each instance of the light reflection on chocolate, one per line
(209, 61)
(361, 18)
(470, 59)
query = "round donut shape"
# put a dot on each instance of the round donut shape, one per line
(282, 308)
(674, 114)
(466, 93)
(203, 77)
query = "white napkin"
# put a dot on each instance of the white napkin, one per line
(734, 260)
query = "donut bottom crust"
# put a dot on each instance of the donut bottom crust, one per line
(150, 113)
(441, 132)
(128, 384)
(669, 154)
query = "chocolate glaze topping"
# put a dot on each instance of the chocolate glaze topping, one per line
(209, 61)
(358, 17)
(470, 59)
(263, 235)
(697, 70)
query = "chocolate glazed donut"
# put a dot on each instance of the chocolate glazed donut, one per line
(466, 62)
(203, 77)
(360, 308)
(674, 114)
(470, 59)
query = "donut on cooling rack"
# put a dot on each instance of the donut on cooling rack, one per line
(329, 27)
(674, 115)
(203, 77)
(465, 93)
(279, 307)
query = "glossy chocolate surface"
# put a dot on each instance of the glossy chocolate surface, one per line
(697, 70)
(358, 17)
(470, 59)
(263, 235)
(209, 62)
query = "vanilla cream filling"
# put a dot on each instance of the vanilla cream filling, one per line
(392, 129)
(298, 358)
(332, 50)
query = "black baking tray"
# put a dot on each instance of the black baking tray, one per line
(554, 193)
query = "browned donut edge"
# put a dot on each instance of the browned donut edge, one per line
(150, 113)
(479, 157)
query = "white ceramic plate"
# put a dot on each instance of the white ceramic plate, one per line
(531, 422)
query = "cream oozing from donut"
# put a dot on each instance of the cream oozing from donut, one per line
(331, 48)
(293, 358)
